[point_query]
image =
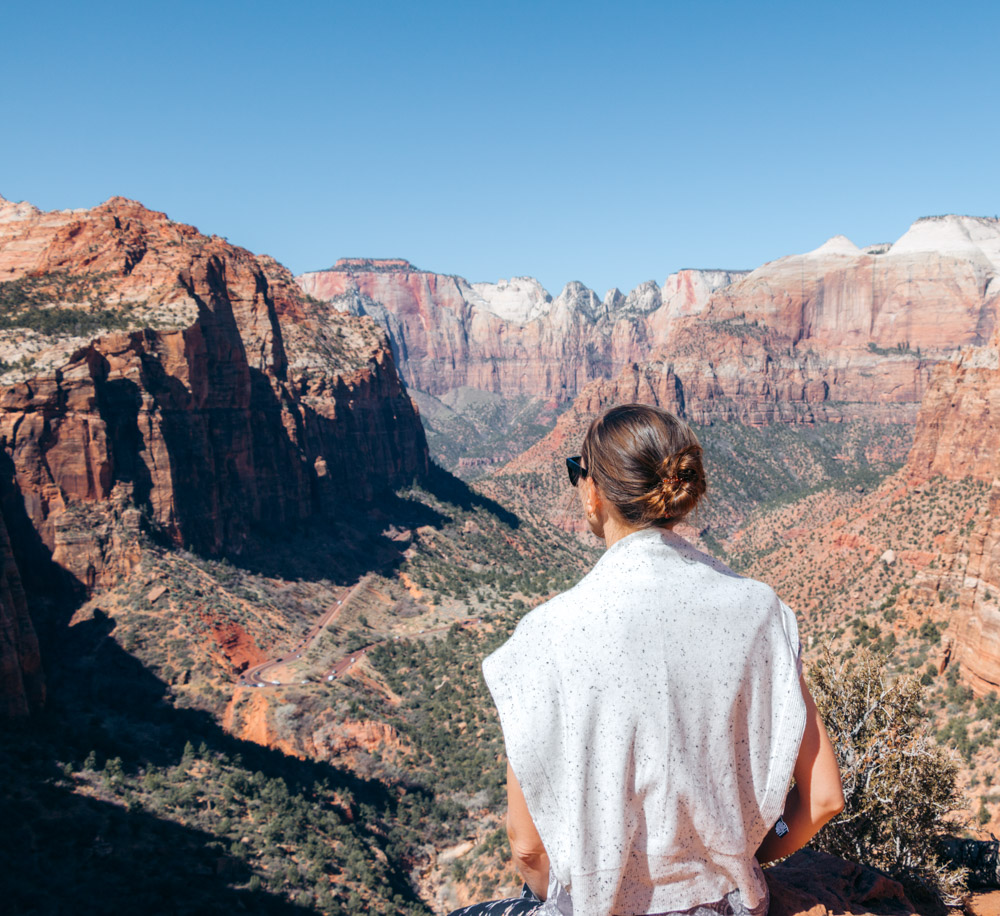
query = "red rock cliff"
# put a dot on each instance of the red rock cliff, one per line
(838, 323)
(219, 399)
(958, 435)
(936, 287)
(512, 337)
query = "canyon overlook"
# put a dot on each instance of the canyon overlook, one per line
(167, 400)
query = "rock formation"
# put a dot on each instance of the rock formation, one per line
(958, 436)
(813, 883)
(837, 324)
(219, 399)
(22, 686)
(937, 287)
(511, 337)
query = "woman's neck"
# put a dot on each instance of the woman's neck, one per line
(617, 528)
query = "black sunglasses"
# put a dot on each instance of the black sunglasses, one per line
(575, 469)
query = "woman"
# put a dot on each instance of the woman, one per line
(654, 713)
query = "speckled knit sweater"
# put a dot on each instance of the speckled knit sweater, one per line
(652, 714)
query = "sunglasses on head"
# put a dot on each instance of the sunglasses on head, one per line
(575, 469)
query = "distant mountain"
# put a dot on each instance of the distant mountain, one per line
(835, 333)
(512, 337)
(936, 288)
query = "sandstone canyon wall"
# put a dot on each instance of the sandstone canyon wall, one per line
(22, 686)
(935, 288)
(958, 436)
(218, 400)
(836, 326)
(511, 337)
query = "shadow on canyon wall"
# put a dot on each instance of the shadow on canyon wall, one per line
(351, 538)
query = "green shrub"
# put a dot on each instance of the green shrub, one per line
(900, 787)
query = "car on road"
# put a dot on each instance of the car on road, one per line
(276, 683)
(329, 677)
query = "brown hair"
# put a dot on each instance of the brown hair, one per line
(647, 462)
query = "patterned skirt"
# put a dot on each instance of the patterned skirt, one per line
(527, 904)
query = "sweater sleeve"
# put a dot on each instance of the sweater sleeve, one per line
(791, 628)
(523, 682)
(790, 720)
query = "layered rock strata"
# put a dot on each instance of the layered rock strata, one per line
(835, 325)
(936, 287)
(259, 411)
(512, 337)
(958, 436)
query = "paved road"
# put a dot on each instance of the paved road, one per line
(257, 676)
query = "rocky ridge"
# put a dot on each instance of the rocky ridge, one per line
(833, 326)
(511, 337)
(936, 288)
(218, 400)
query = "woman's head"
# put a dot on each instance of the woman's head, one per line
(646, 463)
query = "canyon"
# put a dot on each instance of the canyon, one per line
(901, 336)
(202, 454)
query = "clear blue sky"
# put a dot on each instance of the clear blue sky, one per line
(604, 142)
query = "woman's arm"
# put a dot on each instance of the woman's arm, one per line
(526, 847)
(817, 795)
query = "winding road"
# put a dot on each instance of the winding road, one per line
(257, 676)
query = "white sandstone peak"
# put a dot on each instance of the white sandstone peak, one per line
(966, 236)
(688, 291)
(646, 297)
(614, 299)
(519, 299)
(13, 211)
(577, 297)
(839, 244)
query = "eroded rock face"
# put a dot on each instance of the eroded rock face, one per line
(958, 436)
(835, 325)
(221, 400)
(259, 411)
(936, 287)
(511, 337)
(977, 622)
(958, 430)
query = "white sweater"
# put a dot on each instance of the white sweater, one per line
(652, 715)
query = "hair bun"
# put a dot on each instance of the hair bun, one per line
(681, 483)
